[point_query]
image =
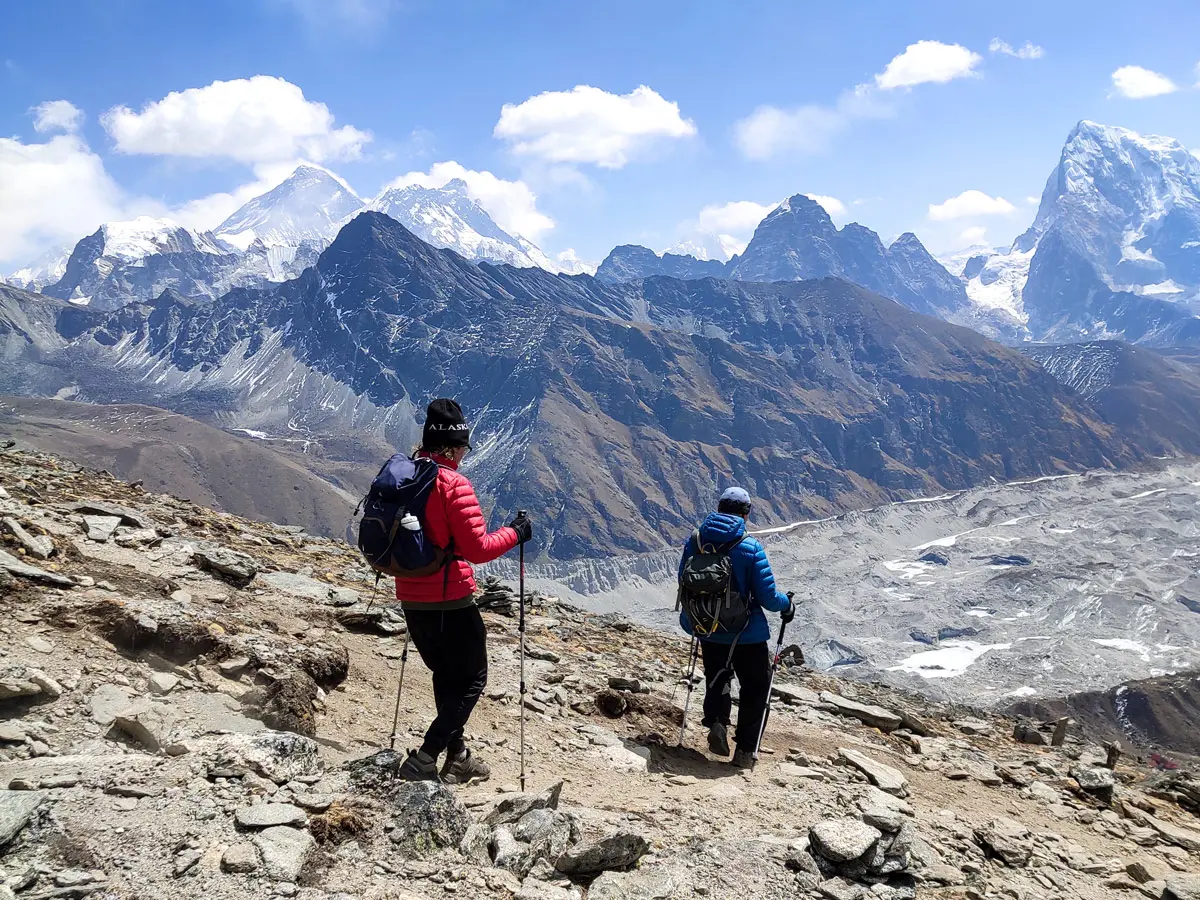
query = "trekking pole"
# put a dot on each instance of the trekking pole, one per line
(399, 689)
(521, 631)
(771, 683)
(691, 677)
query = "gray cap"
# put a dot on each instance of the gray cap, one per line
(736, 495)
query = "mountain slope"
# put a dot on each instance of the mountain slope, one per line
(139, 259)
(305, 210)
(173, 454)
(1114, 251)
(797, 241)
(1147, 396)
(614, 412)
(447, 217)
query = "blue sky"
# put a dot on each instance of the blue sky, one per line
(745, 104)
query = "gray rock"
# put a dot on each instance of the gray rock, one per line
(107, 702)
(125, 515)
(39, 546)
(535, 652)
(236, 567)
(514, 807)
(842, 840)
(884, 777)
(279, 756)
(15, 682)
(841, 889)
(635, 885)
(310, 589)
(150, 724)
(508, 853)
(795, 695)
(240, 858)
(44, 682)
(428, 817)
(536, 889)
(1025, 733)
(284, 851)
(1182, 887)
(1096, 781)
(1007, 840)
(268, 815)
(889, 821)
(973, 726)
(163, 682)
(875, 716)
(14, 566)
(101, 528)
(39, 644)
(16, 809)
(232, 668)
(475, 844)
(619, 850)
(11, 733)
(185, 861)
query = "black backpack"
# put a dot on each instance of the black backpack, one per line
(391, 534)
(707, 592)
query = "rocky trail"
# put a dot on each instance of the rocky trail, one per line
(198, 704)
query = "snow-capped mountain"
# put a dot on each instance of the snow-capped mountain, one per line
(307, 208)
(140, 258)
(1114, 250)
(37, 273)
(447, 217)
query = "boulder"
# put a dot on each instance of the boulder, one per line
(842, 840)
(514, 807)
(239, 859)
(123, 515)
(635, 885)
(794, 695)
(619, 850)
(231, 565)
(38, 546)
(884, 777)
(1098, 782)
(163, 683)
(150, 724)
(874, 716)
(267, 815)
(1182, 887)
(428, 817)
(1008, 841)
(107, 702)
(101, 528)
(1026, 733)
(284, 851)
(16, 809)
(14, 566)
(278, 756)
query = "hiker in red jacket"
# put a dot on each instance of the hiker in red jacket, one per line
(443, 621)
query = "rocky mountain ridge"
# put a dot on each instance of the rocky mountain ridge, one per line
(195, 703)
(616, 409)
(1114, 251)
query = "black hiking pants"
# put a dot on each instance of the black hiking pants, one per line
(751, 663)
(453, 646)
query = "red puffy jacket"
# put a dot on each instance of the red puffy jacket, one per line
(453, 513)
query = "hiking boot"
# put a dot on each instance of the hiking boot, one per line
(743, 759)
(419, 766)
(718, 739)
(464, 768)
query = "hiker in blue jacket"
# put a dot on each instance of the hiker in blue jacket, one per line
(742, 653)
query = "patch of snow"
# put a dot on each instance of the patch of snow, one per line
(950, 660)
(981, 612)
(1023, 691)
(257, 435)
(1124, 644)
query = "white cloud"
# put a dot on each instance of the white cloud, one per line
(57, 115)
(768, 130)
(969, 204)
(740, 217)
(1033, 201)
(251, 120)
(831, 205)
(976, 234)
(511, 203)
(1028, 50)
(928, 62)
(589, 125)
(50, 194)
(1138, 83)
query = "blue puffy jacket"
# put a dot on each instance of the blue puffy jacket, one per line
(752, 577)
